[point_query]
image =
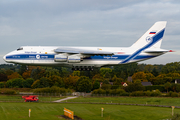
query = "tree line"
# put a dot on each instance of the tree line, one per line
(21, 76)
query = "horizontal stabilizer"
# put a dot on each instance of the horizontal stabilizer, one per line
(156, 51)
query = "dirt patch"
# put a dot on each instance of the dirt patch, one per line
(75, 117)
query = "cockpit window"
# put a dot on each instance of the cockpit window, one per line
(19, 49)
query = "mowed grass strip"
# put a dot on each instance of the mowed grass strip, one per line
(133, 100)
(11, 98)
(18, 98)
(39, 111)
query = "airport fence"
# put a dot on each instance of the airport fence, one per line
(53, 94)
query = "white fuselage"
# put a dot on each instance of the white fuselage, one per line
(37, 55)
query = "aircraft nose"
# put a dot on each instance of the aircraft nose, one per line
(4, 58)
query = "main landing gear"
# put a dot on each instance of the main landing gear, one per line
(83, 68)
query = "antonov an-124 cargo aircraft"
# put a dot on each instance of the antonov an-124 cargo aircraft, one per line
(85, 58)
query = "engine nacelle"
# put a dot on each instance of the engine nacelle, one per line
(74, 59)
(60, 58)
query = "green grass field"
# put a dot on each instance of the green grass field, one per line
(16, 111)
(13, 108)
(133, 100)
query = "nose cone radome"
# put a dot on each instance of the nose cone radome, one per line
(4, 58)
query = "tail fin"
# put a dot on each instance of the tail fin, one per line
(153, 37)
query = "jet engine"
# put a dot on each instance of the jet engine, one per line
(65, 58)
(60, 58)
(74, 59)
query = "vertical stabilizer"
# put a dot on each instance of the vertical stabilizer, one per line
(153, 37)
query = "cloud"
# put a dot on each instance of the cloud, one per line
(85, 23)
(9, 31)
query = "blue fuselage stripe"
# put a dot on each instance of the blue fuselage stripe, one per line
(51, 57)
(30, 56)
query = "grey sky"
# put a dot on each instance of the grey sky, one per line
(87, 23)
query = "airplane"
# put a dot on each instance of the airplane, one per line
(86, 58)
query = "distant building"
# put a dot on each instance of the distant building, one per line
(129, 79)
(146, 83)
(177, 81)
(111, 83)
(101, 84)
(125, 84)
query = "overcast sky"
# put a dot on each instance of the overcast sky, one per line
(106, 23)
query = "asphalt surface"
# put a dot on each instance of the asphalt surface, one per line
(65, 99)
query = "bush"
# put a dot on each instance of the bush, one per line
(178, 88)
(96, 85)
(36, 84)
(148, 93)
(119, 92)
(2, 84)
(172, 94)
(108, 91)
(99, 91)
(7, 91)
(22, 89)
(137, 93)
(106, 86)
(125, 94)
(155, 87)
(134, 87)
(53, 89)
(84, 84)
(156, 93)
(115, 86)
(113, 92)
(15, 83)
(27, 83)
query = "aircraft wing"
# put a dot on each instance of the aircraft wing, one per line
(82, 51)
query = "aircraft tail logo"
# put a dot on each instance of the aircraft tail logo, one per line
(151, 33)
(151, 39)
